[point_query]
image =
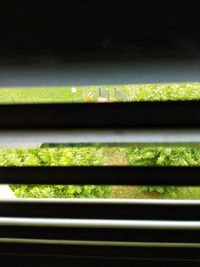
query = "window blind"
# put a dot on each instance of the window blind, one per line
(86, 43)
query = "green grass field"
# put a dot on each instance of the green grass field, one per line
(142, 92)
(39, 95)
(50, 94)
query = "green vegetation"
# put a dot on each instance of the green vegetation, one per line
(39, 95)
(56, 157)
(163, 92)
(137, 156)
(141, 92)
(165, 156)
(95, 156)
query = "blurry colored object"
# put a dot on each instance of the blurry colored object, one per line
(89, 97)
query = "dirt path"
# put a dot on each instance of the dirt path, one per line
(117, 158)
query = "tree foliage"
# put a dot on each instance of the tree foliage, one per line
(56, 157)
(163, 156)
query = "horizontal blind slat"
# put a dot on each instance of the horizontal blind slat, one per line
(101, 175)
(138, 115)
(101, 209)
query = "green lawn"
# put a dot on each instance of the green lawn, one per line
(142, 92)
(49, 94)
(39, 95)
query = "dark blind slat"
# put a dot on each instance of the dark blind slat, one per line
(177, 114)
(101, 209)
(101, 175)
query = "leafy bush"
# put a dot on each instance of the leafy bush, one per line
(56, 157)
(163, 92)
(163, 156)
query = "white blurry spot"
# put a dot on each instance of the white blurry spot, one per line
(74, 90)
(6, 192)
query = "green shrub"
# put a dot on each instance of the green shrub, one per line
(56, 157)
(163, 156)
(163, 92)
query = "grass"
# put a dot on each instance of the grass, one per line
(49, 94)
(39, 95)
(141, 92)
